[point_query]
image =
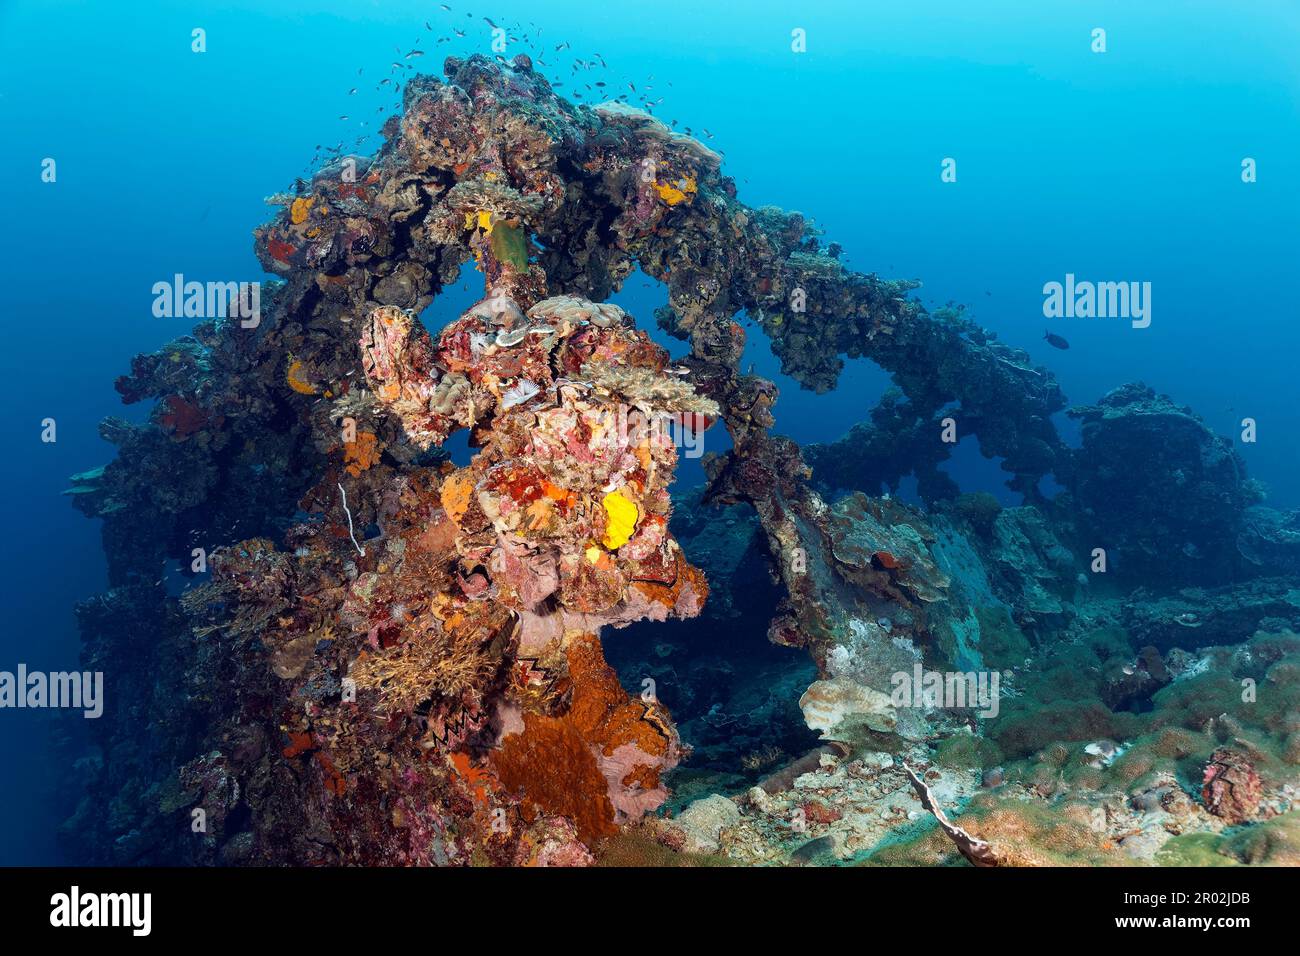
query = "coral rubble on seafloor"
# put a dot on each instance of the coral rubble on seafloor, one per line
(397, 659)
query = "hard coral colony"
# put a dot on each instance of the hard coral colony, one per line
(405, 663)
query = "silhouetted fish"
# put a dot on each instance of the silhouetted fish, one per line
(1055, 341)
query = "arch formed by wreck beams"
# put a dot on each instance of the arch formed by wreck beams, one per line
(549, 199)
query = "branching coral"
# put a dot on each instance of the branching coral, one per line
(435, 662)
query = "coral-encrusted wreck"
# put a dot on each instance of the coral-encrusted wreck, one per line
(453, 660)
(399, 660)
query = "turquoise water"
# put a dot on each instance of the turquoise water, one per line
(1123, 165)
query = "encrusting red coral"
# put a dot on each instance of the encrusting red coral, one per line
(182, 418)
(562, 517)
(552, 765)
(603, 758)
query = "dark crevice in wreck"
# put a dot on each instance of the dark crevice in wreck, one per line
(733, 694)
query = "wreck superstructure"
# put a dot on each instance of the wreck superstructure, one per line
(399, 660)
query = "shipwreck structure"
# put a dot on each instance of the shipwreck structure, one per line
(396, 659)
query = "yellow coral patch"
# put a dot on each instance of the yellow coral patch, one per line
(593, 554)
(298, 211)
(676, 193)
(481, 220)
(620, 520)
(296, 381)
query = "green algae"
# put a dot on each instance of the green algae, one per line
(510, 245)
(1194, 849)
(1023, 832)
(1274, 842)
(967, 751)
(1001, 643)
(633, 848)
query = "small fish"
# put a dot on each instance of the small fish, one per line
(1055, 341)
(415, 53)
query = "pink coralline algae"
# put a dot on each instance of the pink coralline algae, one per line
(1231, 788)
